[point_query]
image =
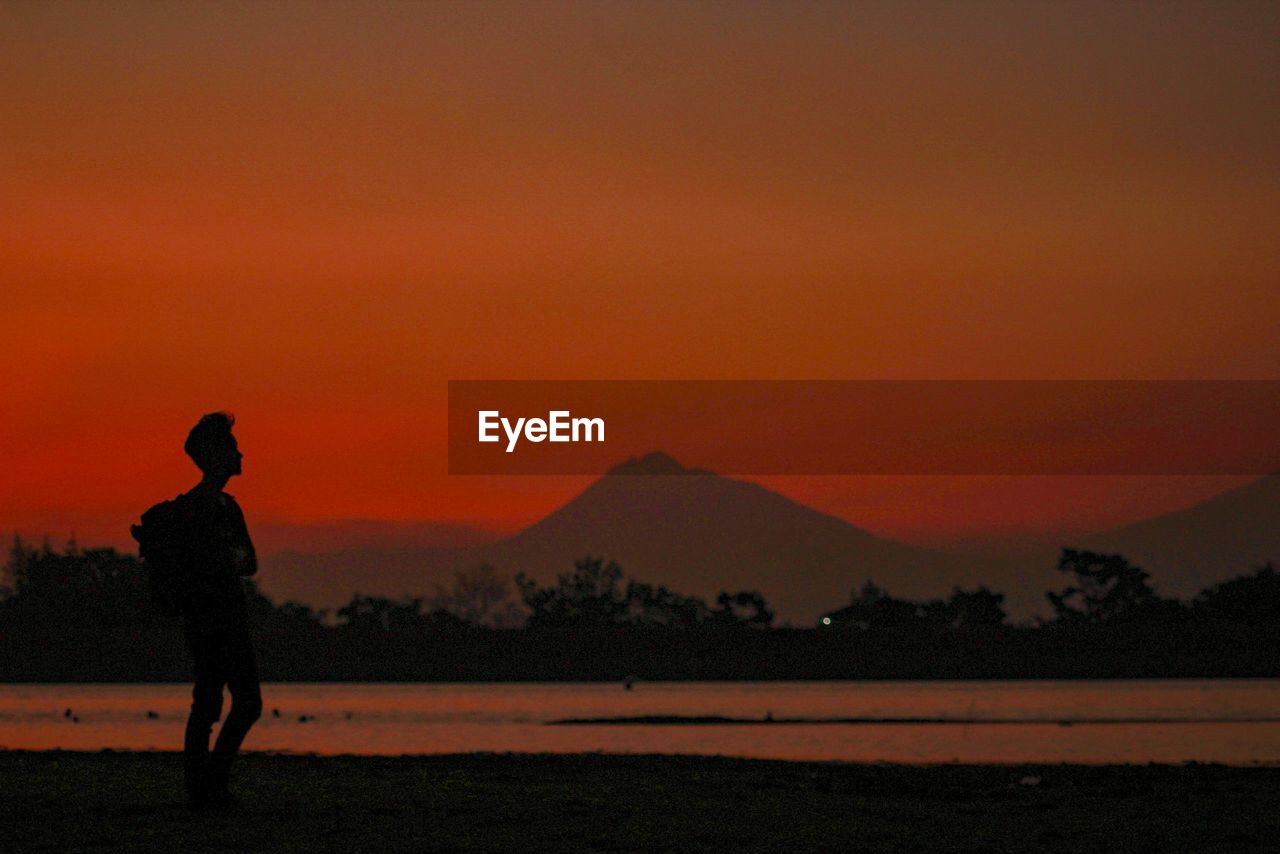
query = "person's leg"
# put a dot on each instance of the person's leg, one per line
(208, 654)
(246, 707)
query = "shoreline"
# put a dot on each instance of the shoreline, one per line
(719, 720)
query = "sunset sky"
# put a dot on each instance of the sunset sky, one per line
(316, 215)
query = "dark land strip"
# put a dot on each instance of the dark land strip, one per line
(60, 801)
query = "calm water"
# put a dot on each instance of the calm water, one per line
(448, 718)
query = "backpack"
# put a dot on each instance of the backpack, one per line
(163, 537)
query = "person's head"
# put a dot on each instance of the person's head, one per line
(213, 448)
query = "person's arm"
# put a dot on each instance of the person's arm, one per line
(243, 555)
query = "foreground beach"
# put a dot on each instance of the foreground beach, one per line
(66, 801)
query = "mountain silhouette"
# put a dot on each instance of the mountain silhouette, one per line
(692, 530)
(1187, 550)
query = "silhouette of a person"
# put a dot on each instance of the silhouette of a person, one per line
(214, 614)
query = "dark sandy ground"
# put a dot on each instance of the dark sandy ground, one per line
(62, 801)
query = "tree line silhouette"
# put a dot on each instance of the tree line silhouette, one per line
(85, 615)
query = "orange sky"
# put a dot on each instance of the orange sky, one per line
(315, 215)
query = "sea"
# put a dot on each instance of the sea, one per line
(1226, 721)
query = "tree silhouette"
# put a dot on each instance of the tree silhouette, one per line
(593, 595)
(1107, 589)
(590, 595)
(967, 608)
(746, 607)
(479, 596)
(870, 607)
(1249, 599)
(85, 614)
(658, 606)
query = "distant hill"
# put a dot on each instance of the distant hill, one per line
(323, 563)
(697, 532)
(1187, 550)
(365, 533)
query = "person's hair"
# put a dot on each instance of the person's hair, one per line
(211, 432)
